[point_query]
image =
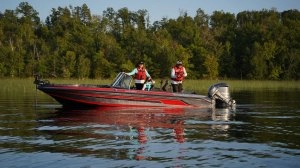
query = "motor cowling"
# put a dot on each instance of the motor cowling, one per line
(220, 94)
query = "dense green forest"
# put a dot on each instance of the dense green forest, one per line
(73, 42)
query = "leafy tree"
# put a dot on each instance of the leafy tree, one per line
(72, 42)
(82, 67)
(27, 41)
(69, 64)
(290, 57)
(9, 29)
(212, 65)
(198, 47)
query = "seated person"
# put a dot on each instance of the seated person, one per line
(149, 84)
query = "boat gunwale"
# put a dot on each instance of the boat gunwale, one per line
(107, 88)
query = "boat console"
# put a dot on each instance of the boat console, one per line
(122, 81)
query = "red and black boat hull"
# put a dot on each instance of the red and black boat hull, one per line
(93, 95)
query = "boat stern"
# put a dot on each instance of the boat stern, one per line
(220, 95)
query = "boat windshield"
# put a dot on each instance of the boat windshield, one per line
(122, 81)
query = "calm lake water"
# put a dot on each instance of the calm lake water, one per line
(263, 131)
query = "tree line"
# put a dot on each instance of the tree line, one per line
(74, 43)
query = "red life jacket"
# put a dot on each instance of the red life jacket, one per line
(179, 73)
(141, 74)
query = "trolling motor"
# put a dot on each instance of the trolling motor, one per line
(39, 81)
(220, 94)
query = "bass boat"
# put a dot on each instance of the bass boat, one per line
(121, 94)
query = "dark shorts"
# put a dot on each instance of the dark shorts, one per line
(139, 86)
(177, 88)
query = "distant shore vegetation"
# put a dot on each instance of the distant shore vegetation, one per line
(74, 43)
(26, 86)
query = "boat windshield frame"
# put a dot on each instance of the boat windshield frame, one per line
(122, 81)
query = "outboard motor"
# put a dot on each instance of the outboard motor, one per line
(220, 94)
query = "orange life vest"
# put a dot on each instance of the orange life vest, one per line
(179, 73)
(141, 74)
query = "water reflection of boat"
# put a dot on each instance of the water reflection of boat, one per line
(222, 117)
(120, 93)
(91, 130)
(141, 119)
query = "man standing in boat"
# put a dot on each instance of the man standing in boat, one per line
(141, 74)
(178, 73)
